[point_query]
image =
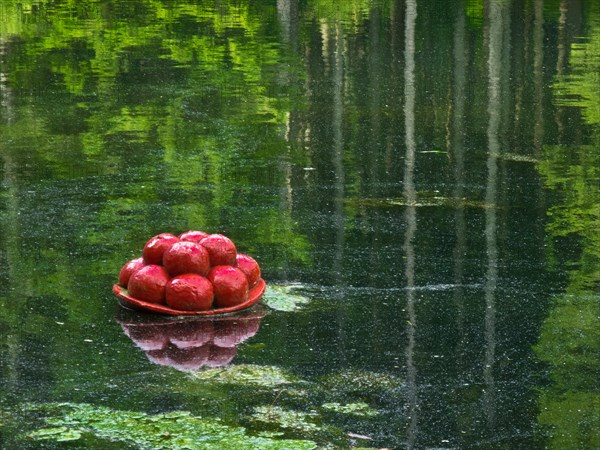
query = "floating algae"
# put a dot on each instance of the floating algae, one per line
(357, 409)
(247, 374)
(286, 418)
(175, 430)
(282, 297)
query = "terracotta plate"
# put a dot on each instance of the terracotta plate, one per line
(129, 302)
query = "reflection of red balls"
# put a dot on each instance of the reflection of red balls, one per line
(190, 292)
(157, 246)
(250, 267)
(221, 250)
(190, 333)
(147, 337)
(230, 285)
(229, 333)
(188, 359)
(129, 269)
(148, 284)
(193, 236)
(221, 356)
(186, 257)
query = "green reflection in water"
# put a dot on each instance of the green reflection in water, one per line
(570, 337)
(570, 344)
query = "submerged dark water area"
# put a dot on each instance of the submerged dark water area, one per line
(419, 181)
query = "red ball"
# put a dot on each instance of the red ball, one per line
(148, 284)
(186, 257)
(190, 292)
(129, 269)
(221, 250)
(193, 236)
(156, 247)
(250, 267)
(230, 285)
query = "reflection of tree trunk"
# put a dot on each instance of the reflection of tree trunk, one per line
(411, 215)
(457, 150)
(338, 146)
(6, 103)
(338, 166)
(561, 62)
(374, 93)
(538, 62)
(495, 41)
(287, 11)
(538, 69)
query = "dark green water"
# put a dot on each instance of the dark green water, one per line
(428, 172)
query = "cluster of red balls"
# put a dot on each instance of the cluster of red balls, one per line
(194, 271)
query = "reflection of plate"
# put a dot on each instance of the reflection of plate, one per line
(187, 344)
(129, 302)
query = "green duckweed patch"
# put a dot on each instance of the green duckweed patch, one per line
(283, 298)
(175, 430)
(286, 418)
(358, 381)
(247, 374)
(357, 409)
(58, 434)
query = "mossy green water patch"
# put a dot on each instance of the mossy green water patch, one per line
(361, 381)
(356, 409)
(58, 434)
(174, 430)
(286, 418)
(284, 297)
(247, 374)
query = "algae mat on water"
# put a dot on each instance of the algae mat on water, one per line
(175, 430)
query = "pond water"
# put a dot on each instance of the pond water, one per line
(419, 181)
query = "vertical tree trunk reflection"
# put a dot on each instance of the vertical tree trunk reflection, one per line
(287, 12)
(338, 167)
(411, 215)
(495, 46)
(538, 63)
(561, 61)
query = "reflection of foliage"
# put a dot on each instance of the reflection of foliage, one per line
(570, 336)
(573, 172)
(92, 56)
(572, 175)
(346, 11)
(582, 87)
(570, 344)
(176, 430)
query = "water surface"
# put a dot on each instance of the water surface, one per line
(424, 175)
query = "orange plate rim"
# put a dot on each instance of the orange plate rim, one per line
(130, 302)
